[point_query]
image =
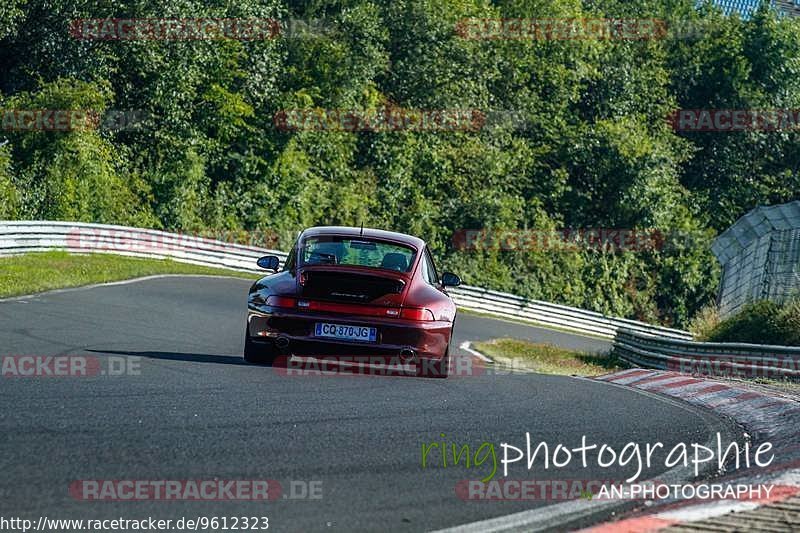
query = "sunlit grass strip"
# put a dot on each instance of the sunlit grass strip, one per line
(549, 359)
(43, 271)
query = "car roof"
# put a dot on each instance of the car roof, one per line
(378, 234)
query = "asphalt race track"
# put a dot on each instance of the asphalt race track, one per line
(194, 410)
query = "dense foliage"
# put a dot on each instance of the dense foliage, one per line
(762, 322)
(581, 141)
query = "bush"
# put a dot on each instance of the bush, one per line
(762, 322)
(789, 323)
(704, 322)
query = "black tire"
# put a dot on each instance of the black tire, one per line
(259, 353)
(435, 368)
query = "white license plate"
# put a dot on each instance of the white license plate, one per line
(350, 333)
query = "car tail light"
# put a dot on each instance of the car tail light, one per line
(410, 313)
(418, 314)
(281, 301)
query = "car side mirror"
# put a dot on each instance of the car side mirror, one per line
(450, 280)
(269, 262)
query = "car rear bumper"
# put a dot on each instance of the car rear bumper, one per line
(427, 340)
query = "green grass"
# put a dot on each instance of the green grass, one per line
(761, 322)
(549, 359)
(785, 385)
(43, 271)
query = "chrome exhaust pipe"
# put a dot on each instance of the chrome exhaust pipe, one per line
(407, 355)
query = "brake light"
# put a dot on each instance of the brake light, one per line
(281, 301)
(411, 313)
(418, 314)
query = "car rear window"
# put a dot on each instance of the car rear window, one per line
(356, 251)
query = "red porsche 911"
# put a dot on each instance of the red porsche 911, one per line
(353, 292)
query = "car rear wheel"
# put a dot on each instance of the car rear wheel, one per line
(259, 353)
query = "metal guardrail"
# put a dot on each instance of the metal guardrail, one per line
(554, 315)
(639, 343)
(17, 237)
(707, 358)
(30, 236)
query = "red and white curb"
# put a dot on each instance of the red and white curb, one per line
(766, 417)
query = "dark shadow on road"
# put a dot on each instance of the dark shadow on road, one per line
(320, 366)
(180, 356)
